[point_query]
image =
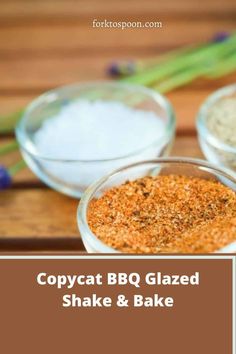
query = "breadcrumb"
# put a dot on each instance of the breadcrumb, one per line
(165, 214)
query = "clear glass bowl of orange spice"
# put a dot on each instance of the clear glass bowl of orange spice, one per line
(167, 205)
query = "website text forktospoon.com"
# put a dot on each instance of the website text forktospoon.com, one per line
(125, 24)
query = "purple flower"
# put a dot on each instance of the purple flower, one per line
(113, 69)
(5, 178)
(122, 68)
(220, 37)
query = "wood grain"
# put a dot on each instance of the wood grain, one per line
(86, 38)
(38, 76)
(69, 9)
(37, 213)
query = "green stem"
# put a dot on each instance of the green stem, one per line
(217, 69)
(9, 147)
(177, 81)
(8, 122)
(169, 56)
(202, 56)
(223, 68)
(16, 167)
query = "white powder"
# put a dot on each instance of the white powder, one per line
(97, 130)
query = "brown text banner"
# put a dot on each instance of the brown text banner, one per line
(116, 305)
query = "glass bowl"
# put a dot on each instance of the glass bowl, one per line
(73, 176)
(162, 166)
(215, 150)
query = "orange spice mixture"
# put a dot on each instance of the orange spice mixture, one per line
(165, 214)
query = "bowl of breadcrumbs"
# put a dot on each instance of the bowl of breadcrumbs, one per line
(168, 205)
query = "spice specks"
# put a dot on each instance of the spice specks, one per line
(221, 120)
(165, 214)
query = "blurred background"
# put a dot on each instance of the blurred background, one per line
(48, 43)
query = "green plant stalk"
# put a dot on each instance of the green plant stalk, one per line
(9, 147)
(216, 70)
(181, 79)
(16, 167)
(169, 56)
(8, 122)
(208, 53)
(223, 68)
(177, 81)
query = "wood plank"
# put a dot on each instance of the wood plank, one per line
(41, 75)
(187, 101)
(187, 146)
(37, 75)
(84, 37)
(23, 9)
(37, 213)
(42, 245)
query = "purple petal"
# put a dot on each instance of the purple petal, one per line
(5, 178)
(122, 68)
(113, 69)
(220, 37)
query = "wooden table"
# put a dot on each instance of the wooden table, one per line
(47, 43)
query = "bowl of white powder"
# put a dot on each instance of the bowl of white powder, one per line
(74, 135)
(216, 125)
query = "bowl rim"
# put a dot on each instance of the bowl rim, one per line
(169, 127)
(85, 231)
(201, 126)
